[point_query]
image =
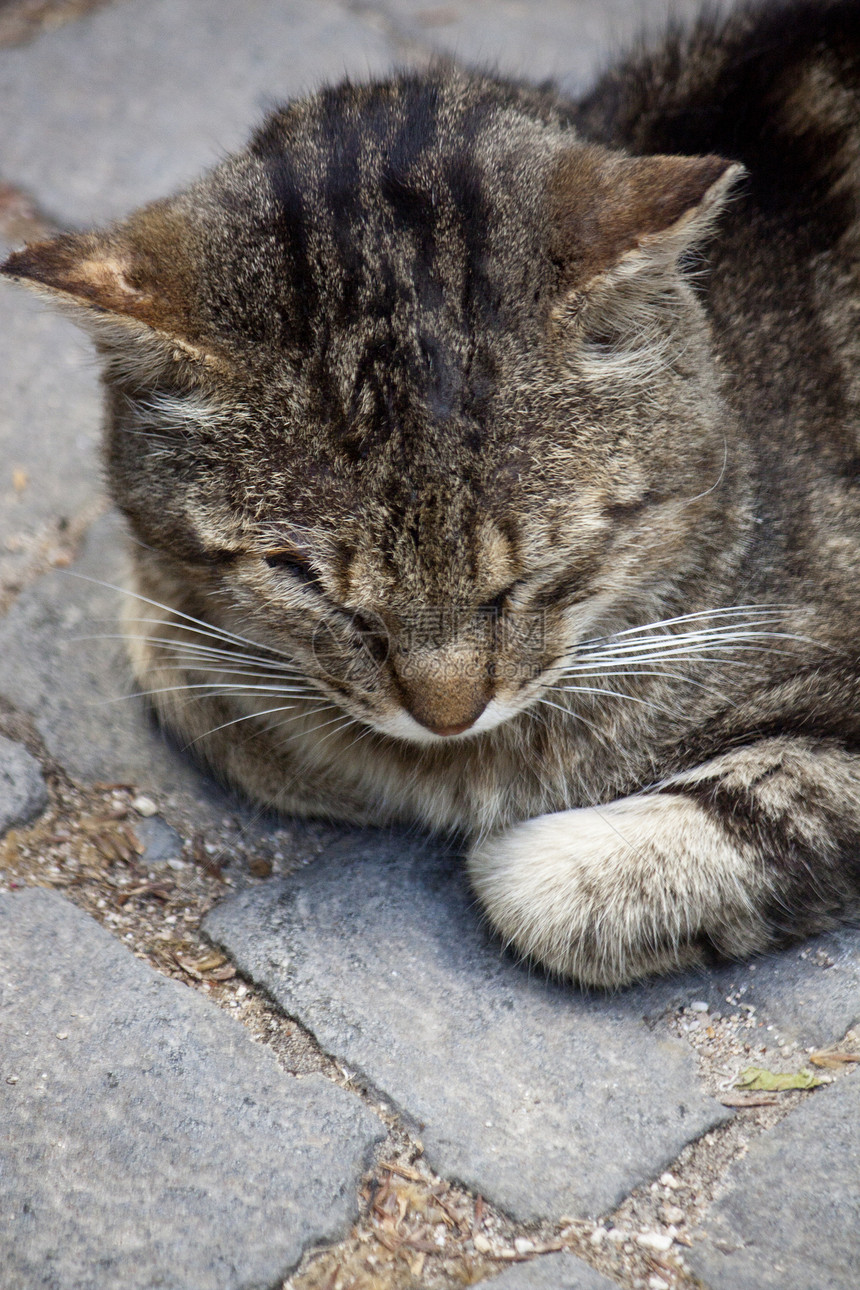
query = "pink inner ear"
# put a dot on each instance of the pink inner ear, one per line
(603, 204)
(105, 281)
(140, 270)
(92, 270)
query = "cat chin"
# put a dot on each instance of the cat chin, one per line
(400, 725)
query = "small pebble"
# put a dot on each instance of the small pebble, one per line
(11, 1079)
(670, 1181)
(699, 1005)
(62, 1034)
(657, 1283)
(144, 806)
(260, 866)
(654, 1241)
(481, 1244)
(671, 1214)
(523, 1245)
(598, 1235)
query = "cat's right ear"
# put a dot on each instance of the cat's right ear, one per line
(619, 228)
(131, 287)
(617, 218)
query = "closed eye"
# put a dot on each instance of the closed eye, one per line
(296, 564)
(498, 601)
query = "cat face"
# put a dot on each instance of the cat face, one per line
(411, 390)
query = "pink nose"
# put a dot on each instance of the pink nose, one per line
(441, 702)
(450, 730)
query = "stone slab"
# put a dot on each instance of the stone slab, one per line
(809, 994)
(145, 1140)
(133, 100)
(790, 1218)
(556, 39)
(22, 789)
(550, 1272)
(50, 416)
(60, 662)
(545, 1100)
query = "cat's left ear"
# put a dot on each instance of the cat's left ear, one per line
(131, 286)
(617, 218)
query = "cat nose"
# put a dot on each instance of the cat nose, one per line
(450, 730)
(445, 705)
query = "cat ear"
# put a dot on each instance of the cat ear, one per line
(616, 218)
(130, 286)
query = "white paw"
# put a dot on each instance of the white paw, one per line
(610, 894)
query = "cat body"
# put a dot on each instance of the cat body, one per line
(464, 496)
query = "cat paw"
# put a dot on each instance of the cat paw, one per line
(608, 895)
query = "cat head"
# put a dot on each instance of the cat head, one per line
(413, 389)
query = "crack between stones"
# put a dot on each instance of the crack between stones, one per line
(701, 1169)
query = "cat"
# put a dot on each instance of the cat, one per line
(492, 462)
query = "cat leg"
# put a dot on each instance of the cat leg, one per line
(752, 849)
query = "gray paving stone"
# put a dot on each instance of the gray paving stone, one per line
(50, 415)
(546, 1101)
(22, 789)
(75, 686)
(809, 994)
(564, 40)
(790, 1219)
(145, 1140)
(550, 1272)
(133, 100)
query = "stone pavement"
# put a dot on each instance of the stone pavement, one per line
(418, 1109)
(379, 950)
(145, 1136)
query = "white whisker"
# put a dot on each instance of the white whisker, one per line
(614, 694)
(569, 712)
(700, 613)
(248, 716)
(222, 670)
(612, 670)
(208, 629)
(213, 689)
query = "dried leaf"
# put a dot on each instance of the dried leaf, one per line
(190, 968)
(832, 1061)
(405, 1171)
(758, 1079)
(425, 1247)
(749, 1099)
(210, 961)
(150, 889)
(223, 974)
(390, 1240)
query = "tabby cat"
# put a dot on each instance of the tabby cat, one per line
(494, 464)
